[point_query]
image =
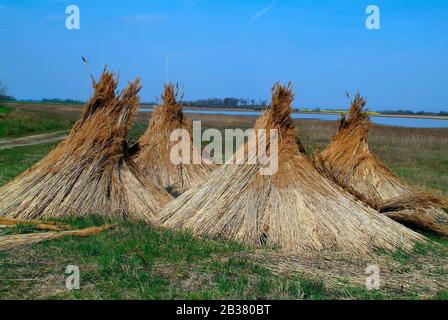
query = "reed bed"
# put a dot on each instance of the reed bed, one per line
(155, 147)
(348, 161)
(91, 171)
(296, 209)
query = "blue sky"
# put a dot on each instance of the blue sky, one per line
(233, 48)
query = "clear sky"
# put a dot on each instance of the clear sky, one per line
(233, 48)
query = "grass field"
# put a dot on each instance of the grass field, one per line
(137, 261)
(21, 122)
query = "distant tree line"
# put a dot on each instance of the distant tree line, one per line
(62, 101)
(4, 93)
(227, 103)
(417, 113)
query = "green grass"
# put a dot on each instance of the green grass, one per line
(47, 103)
(17, 123)
(424, 169)
(15, 160)
(4, 110)
(137, 261)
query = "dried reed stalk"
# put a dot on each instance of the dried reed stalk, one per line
(41, 225)
(348, 161)
(90, 172)
(155, 147)
(296, 209)
(23, 240)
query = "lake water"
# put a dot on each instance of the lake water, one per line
(386, 121)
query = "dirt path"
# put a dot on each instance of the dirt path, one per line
(32, 140)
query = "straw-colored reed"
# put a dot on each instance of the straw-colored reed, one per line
(295, 209)
(41, 225)
(24, 240)
(156, 147)
(90, 172)
(348, 161)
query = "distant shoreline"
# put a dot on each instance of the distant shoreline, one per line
(415, 116)
(145, 105)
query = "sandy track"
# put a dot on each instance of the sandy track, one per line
(32, 140)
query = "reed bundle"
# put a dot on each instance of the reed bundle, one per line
(348, 161)
(24, 240)
(41, 225)
(155, 147)
(91, 171)
(295, 209)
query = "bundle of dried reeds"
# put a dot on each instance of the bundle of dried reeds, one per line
(41, 225)
(296, 208)
(23, 240)
(156, 145)
(350, 163)
(90, 172)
